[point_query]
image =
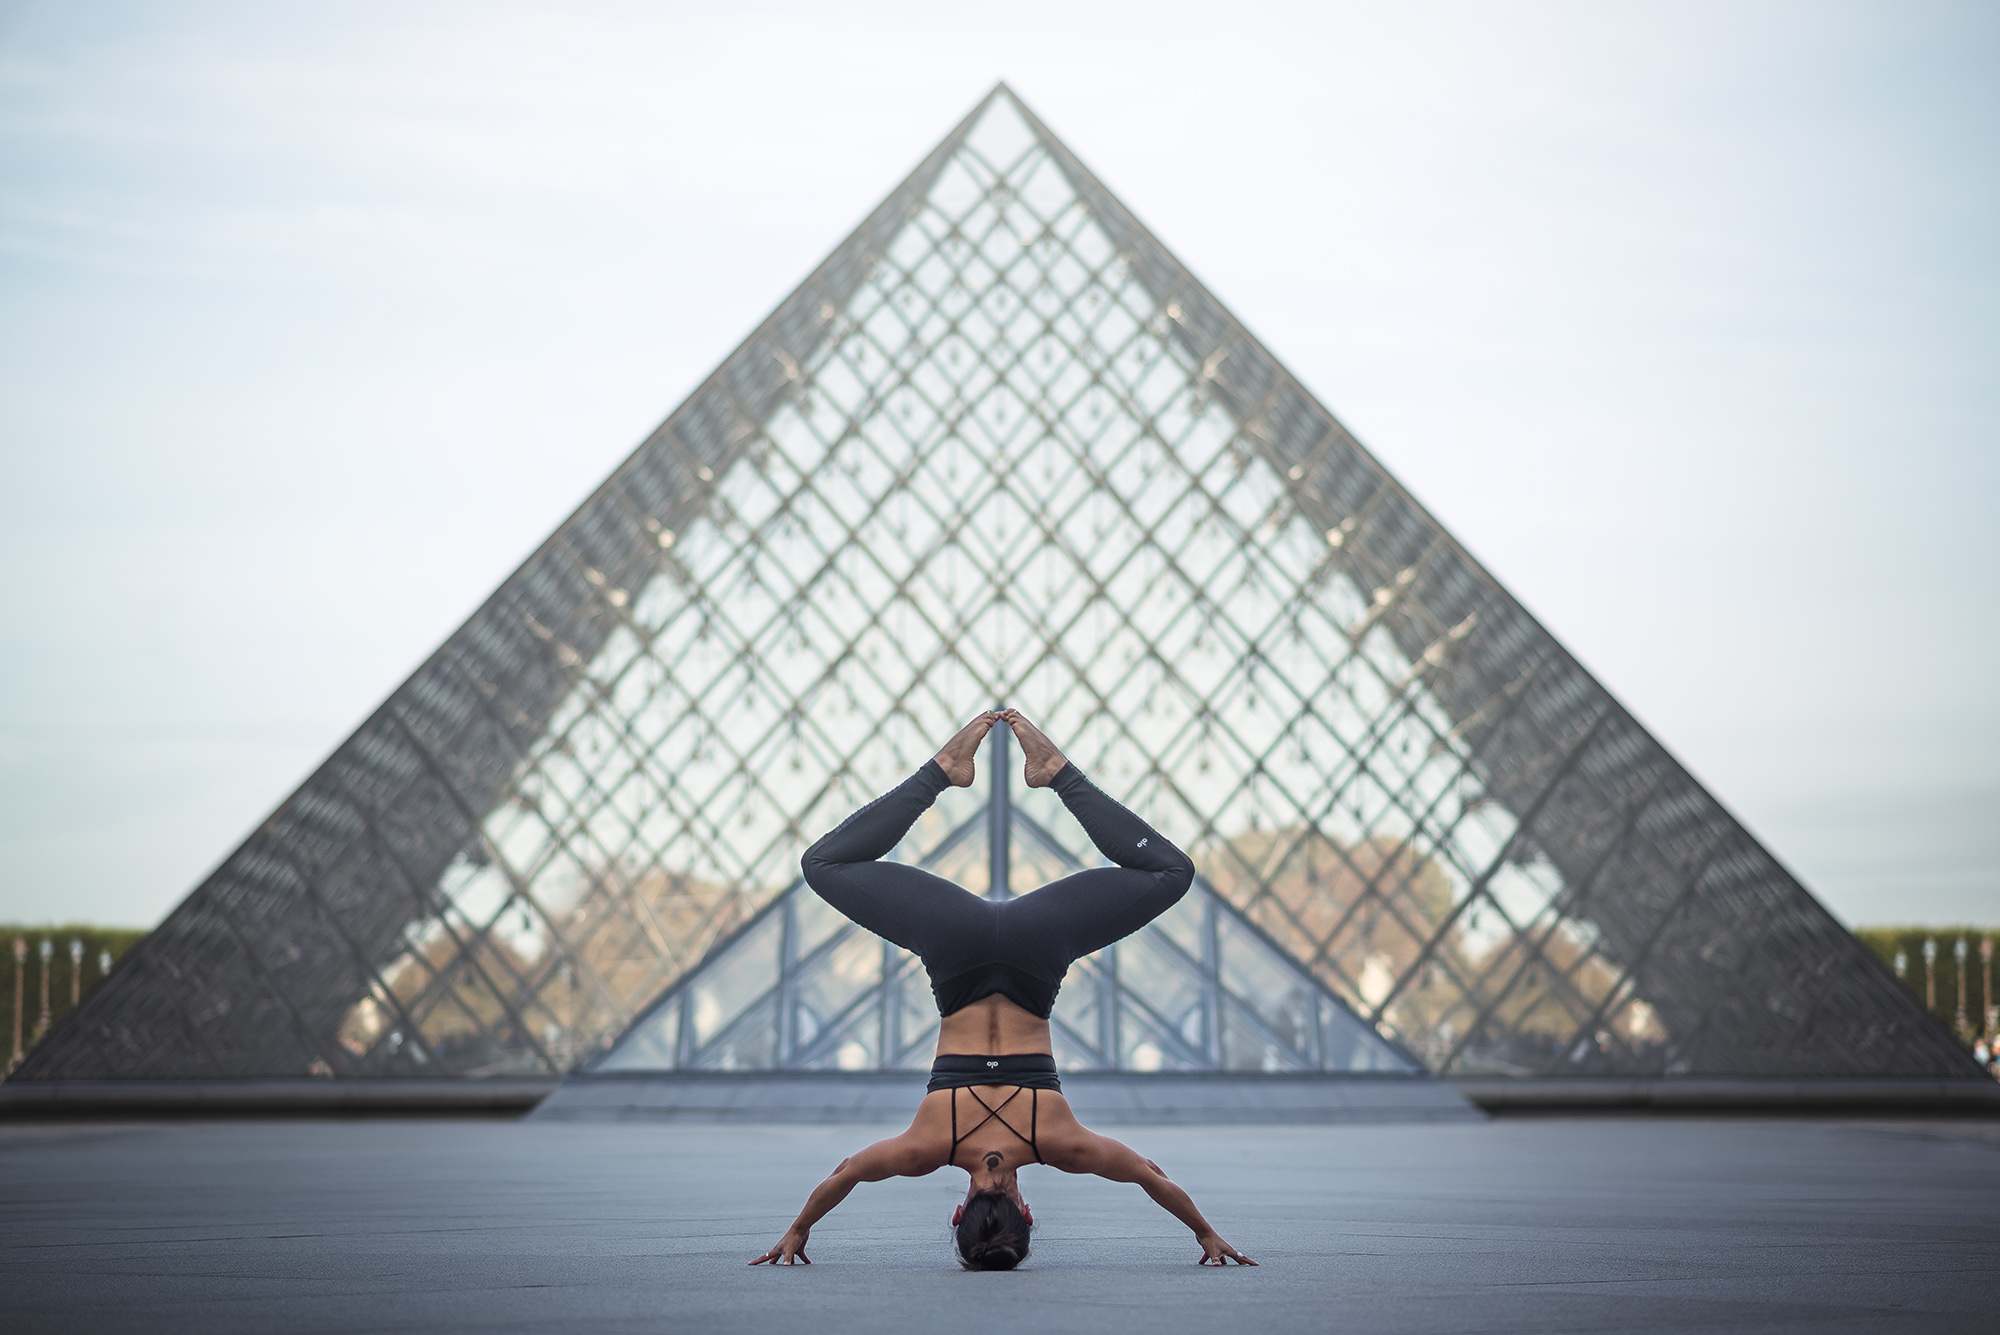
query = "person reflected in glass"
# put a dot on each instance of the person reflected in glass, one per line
(994, 1103)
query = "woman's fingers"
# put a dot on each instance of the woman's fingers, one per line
(1222, 1255)
(779, 1256)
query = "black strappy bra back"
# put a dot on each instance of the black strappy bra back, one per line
(993, 1114)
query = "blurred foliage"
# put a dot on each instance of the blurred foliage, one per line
(78, 959)
(1906, 944)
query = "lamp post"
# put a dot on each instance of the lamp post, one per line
(1991, 1012)
(1958, 955)
(47, 953)
(1930, 974)
(20, 978)
(76, 970)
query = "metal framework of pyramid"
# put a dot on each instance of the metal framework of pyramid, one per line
(1000, 447)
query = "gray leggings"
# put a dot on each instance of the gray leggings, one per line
(974, 947)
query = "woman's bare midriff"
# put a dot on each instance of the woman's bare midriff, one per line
(993, 1027)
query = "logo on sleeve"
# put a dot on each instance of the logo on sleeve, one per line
(1142, 843)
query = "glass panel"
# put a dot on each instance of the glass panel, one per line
(1250, 1046)
(1260, 981)
(650, 1045)
(816, 921)
(750, 1044)
(745, 972)
(838, 978)
(1079, 1021)
(1154, 978)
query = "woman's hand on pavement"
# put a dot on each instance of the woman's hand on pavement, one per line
(792, 1245)
(1214, 1251)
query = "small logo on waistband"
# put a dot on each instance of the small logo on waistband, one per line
(1142, 843)
(994, 1065)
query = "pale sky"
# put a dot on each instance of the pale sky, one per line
(315, 320)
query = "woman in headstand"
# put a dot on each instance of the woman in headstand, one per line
(994, 1102)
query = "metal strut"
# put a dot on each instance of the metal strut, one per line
(1000, 815)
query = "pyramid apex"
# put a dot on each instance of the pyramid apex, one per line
(1001, 89)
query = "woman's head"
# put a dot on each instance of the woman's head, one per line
(992, 1231)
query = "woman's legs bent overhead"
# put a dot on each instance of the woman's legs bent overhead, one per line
(1068, 919)
(920, 912)
(954, 930)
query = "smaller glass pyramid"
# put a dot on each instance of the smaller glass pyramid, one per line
(799, 987)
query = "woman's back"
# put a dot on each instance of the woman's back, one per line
(962, 1127)
(993, 1026)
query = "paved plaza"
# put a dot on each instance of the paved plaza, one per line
(1652, 1224)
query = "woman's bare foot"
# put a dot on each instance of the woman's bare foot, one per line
(956, 757)
(1041, 762)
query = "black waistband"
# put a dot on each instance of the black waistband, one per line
(1028, 1070)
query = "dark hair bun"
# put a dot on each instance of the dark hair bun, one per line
(992, 1233)
(993, 1256)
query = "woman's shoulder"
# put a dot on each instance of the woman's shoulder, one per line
(1062, 1139)
(923, 1148)
(933, 1117)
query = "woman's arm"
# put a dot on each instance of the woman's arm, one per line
(906, 1155)
(1119, 1162)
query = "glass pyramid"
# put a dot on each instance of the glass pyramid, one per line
(999, 447)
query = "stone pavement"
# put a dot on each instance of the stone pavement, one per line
(1631, 1224)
